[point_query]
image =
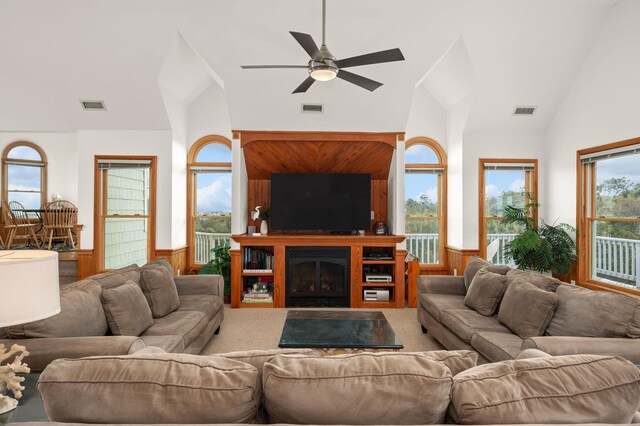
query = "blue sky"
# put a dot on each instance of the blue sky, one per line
(627, 166)
(213, 189)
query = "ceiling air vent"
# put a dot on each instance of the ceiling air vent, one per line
(524, 110)
(312, 108)
(93, 105)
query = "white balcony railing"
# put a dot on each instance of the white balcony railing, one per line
(617, 259)
(205, 242)
(424, 247)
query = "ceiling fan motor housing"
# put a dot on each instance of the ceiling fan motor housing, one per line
(323, 68)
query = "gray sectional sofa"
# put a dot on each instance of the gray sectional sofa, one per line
(122, 311)
(302, 387)
(499, 311)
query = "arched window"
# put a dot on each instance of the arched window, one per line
(425, 200)
(209, 197)
(24, 174)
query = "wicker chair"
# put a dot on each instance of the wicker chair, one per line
(16, 219)
(57, 220)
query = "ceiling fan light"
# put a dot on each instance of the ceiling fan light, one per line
(323, 71)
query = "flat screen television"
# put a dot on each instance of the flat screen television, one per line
(320, 201)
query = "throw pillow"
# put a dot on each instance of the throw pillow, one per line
(159, 288)
(81, 315)
(365, 388)
(527, 310)
(485, 292)
(589, 313)
(558, 390)
(475, 264)
(126, 308)
(181, 388)
(516, 276)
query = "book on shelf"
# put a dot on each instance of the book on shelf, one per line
(257, 260)
(257, 298)
(257, 271)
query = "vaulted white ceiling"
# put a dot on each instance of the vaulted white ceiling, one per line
(54, 53)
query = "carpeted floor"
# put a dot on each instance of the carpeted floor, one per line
(258, 328)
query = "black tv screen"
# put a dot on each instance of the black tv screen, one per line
(320, 201)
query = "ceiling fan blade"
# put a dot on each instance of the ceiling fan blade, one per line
(390, 55)
(307, 43)
(304, 86)
(253, 67)
(359, 80)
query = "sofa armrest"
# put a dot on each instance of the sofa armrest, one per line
(42, 351)
(200, 284)
(441, 284)
(566, 345)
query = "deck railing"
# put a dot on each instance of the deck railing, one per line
(618, 260)
(495, 248)
(205, 242)
(424, 247)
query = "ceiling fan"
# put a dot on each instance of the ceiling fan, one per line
(323, 66)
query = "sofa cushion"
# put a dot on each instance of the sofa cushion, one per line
(159, 288)
(465, 322)
(436, 304)
(81, 314)
(164, 262)
(456, 361)
(207, 304)
(181, 388)
(188, 324)
(485, 292)
(497, 345)
(168, 343)
(257, 358)
(527, 309)
(126, 309)
(365, 388)
(516, 276)
(562, 389)
(588, 313)
(475, 264)
(118, 276)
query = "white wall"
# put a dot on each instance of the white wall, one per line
(209, 115)
(93, 142)
(239, 197)
(600, 107)
(61, 151)
(426, 118)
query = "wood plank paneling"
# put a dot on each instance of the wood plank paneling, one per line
(86, 263)
(177, 258)
(457, 259)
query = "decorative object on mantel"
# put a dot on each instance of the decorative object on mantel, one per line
(33, 296)
(264, 215)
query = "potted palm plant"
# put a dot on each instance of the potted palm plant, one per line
(541, 248)
(220, 264)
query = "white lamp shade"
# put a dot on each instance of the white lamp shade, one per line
(29, 286)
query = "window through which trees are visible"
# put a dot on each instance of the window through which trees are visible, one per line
(425, 183)
(503, 183)
(210, 188)
(24, 175)
(611, 216)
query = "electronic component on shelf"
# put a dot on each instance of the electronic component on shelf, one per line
(376, 295)
(378, 278)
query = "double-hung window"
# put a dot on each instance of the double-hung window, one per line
(609, 216)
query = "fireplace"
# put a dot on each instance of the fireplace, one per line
(317, 276)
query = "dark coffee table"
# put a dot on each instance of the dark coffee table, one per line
(30, 407)
(327, 330)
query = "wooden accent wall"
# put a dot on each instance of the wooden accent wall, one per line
(269, 152)
(457, 259)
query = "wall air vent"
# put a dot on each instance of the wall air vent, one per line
(93, 105)
(312, 108)
(524, 110)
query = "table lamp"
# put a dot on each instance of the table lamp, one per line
(29, 285)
